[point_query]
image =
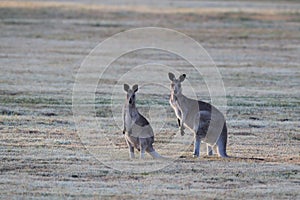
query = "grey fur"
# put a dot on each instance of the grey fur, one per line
(204, 120)
(137, 130)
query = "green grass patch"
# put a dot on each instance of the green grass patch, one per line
(247, 101)
(25, 100)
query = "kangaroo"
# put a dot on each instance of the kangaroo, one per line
(204, 120)
(137, 130)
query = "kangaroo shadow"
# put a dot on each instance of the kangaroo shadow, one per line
(245, 158)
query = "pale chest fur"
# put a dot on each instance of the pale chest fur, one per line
(185, 107)
(130, 118)
(175, 105)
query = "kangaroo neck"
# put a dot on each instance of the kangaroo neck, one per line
(176, 97)
(132, 110)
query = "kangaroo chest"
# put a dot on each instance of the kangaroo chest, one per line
(190, 111)
(130, 118)
(175, 105)
(137, 125)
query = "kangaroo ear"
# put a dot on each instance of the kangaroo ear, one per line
(135, 88)
(126, 87)
(182, 77)
(171, 76)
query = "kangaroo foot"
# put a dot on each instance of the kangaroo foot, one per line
(131, 155)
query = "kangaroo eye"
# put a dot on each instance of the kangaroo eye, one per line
(172, 85)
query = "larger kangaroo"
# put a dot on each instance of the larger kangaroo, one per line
(137, 130)
(204, 120)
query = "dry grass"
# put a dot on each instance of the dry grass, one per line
(42, 155)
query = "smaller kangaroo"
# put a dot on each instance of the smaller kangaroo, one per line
(204, 120)
(137, 130)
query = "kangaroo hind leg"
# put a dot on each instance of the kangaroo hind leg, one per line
(197, 142)
(222, 142)
(209, 150)
(131, 149)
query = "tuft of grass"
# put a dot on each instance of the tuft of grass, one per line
(9, 112)
(294, 136)
(37, 100)
(145, 174)
(247, 101)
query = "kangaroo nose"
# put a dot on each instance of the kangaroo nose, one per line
(130, 101)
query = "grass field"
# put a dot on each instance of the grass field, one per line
(44, 154)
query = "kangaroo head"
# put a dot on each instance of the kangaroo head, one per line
(176, 83)
(130, 98)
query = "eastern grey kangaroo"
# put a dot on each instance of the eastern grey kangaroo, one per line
(204, 120)
(137, 130)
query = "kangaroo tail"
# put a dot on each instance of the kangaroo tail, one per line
(154, 154)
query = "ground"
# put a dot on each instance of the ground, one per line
(45, 155)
